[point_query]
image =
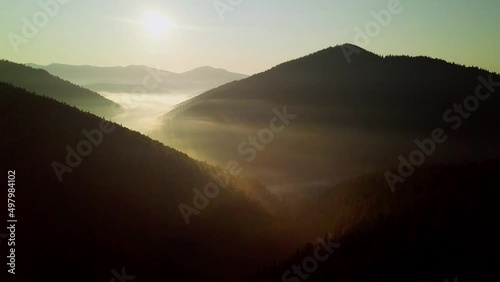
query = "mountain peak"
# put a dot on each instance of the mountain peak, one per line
(208, 71)
(348, 51)
(349, 45)
(339, 57)
(205, 69)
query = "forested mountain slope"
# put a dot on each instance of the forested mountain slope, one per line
(118, 206)
(43, 83)
(352, 116)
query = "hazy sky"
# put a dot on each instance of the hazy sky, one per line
(254, 36)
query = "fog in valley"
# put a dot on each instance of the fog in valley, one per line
(142, 112)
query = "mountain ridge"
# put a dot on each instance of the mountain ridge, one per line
(115, 79)
(400, 96)
(126, 191)
(44, 83)
(40, 66)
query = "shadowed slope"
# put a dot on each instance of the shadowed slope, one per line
(43, 83)
(119, 207)
(351, 117)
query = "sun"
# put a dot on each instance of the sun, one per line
(155, 24)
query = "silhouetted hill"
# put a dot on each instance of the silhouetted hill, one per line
(84, 75)
(119, 205)
(441, 224)
(43, 83)
(351, 117)
(126, 79)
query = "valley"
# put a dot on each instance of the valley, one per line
(142, 112)
(249, 141)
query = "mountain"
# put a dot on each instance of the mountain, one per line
(125, 79)
(43, 83)
(84, 75)
(207, 73)
(95, 200)
(92, 196)
(349, 117)
(440, 225)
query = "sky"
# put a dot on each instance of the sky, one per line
(246, 36)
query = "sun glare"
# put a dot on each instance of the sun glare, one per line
(156, 24)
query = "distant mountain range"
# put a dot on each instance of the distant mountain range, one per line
(353, 116)
(43, 83)
(126, 79)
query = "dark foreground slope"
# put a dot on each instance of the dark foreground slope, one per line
(43, 83)
(441, 224)
(118, 207)
(352, 117)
